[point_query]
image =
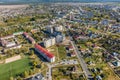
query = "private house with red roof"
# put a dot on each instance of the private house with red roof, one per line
(26, 34)
(73, 54)
(43, 52)
(70, 48)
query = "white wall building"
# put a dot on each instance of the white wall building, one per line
(49, 42)
(53, 42)
(49, 29)
(59, 38)
(59, 28)
(10, 44)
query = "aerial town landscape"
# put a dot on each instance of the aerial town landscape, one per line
(60, 41)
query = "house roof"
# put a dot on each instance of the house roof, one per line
(31, 39)
(9, 36)
(25, 34)
(48, 54)
(70, 47)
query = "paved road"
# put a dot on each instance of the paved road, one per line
(65, 62)
(49, 72)
(81, 60)
(50, 66)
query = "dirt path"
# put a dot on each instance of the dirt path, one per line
(8, 60)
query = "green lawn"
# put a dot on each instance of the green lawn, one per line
(62, 52)
(13, 68)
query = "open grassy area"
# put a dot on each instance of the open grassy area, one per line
(62, 52)
(14, 68)
(110, 75)
(93, 29)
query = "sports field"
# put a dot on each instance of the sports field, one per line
(13, 68)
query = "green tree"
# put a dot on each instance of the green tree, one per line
(32, 19)
(11, 78)
(19, 78)
(26, 74)
(30, 72)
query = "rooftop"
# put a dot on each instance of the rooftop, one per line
(50, 55)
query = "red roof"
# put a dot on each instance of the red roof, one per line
(48, 54)
(25, 34)
(71, 47)
(31, 39)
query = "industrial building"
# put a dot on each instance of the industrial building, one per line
(10, 44)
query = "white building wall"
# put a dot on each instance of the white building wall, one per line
(59, 28)
(53, 42)
(47, 58)
(118, 63)
(10, 44)
(59, 39)
(49, 29)
(47, 43)
(53, 59)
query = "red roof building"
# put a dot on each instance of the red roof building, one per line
(73, 54)
(26, 34)
(70, 47)
(47, 55)
(29, 38)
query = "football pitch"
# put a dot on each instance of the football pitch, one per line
(14, 68)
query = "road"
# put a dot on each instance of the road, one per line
(62, 63)
(49, 72)
(65, 62)
(81, 60)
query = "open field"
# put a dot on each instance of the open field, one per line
(12, 6)
(111, 75)
(62, 52)
(14, 68)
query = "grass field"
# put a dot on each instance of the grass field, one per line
(62, 52)
(13, 68)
